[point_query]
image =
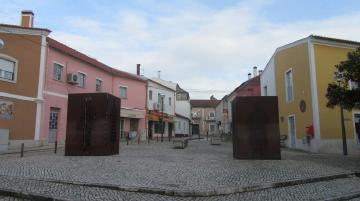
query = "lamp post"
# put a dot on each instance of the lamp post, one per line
(339, 78)
(162, 96)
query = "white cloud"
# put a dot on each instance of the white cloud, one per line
(198, 47)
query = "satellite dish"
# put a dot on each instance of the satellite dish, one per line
(1, 43)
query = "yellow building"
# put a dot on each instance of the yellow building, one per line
(299, 73)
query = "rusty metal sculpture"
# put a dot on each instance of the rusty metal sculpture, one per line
(92, 124)
(255, 127)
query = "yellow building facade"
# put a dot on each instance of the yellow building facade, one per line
(299, 75)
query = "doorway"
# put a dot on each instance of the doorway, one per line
(53, 124)
(121, 128)
(292, 130)
(195, 129)
(170, 128)
(357, 127)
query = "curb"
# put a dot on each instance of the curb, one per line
(29, 195)
(343, 197)
(185, 193)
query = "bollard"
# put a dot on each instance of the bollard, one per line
(127, 140)
(22, 150)
(207, 136)
(56, 143)
(157, 138)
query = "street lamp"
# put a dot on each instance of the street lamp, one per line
(339, 78)
(162, 96)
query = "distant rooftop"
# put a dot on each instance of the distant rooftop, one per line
(204, 103)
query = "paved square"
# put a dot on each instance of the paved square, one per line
(157, 171)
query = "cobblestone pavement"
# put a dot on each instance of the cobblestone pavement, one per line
(199, 167)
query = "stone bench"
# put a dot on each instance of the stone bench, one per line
(180, 142)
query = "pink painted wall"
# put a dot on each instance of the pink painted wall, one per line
(136, 89)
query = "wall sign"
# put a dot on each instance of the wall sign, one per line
(302, 106)
(6, 109)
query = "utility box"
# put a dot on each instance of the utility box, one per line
(255, 127)
(93, 121)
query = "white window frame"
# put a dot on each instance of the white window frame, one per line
(121, 86)
(85, 75)
(288, 125)
(61, 76)
(211, 113)
(101, 84)
(150, 93)
(6, 57)
(292, 85)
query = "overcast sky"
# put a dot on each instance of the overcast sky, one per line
(207, 46)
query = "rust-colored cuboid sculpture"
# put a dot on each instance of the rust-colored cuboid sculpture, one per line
(93, 122)
(255, 127)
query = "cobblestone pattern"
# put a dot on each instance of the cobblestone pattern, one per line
(8, 198)
(313, 191)
(199, 167)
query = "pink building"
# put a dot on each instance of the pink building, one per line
(69, 71)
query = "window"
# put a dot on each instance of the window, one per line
(169, 100)
(289, 86)
(158, 128)
(123, 92)
(179, 125)
(98, 85)
(265, 91)
(57, 71)
(212, 114)
(182, 96)
(81, 80)
(150, 95)
(7, 69)
(134, 124)
(160, 101)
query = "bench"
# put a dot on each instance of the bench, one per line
(180, 142)
(282, 140)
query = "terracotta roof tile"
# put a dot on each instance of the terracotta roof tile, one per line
(204, 103)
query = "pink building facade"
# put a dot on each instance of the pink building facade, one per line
(63, 65)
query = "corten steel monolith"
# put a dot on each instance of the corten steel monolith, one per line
(93, 122)
(255, 127)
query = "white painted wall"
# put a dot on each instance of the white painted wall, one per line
(156, 89)
(183, 108)
(267, 78)
(181, 126)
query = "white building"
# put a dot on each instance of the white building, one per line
(182, 108)
(161, 110)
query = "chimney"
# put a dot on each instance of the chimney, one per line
(138, 69)
(249, 76)
(254, 71)
(159, 72)
(260, 71)
(27, 18)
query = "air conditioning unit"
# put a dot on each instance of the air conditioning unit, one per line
(73, 78)
(156, 106)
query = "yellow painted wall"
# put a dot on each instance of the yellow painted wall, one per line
(326, 57)
(297, 59)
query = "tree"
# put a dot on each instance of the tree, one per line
(340, 93)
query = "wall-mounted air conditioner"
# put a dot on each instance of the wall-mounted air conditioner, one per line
(73, 78)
